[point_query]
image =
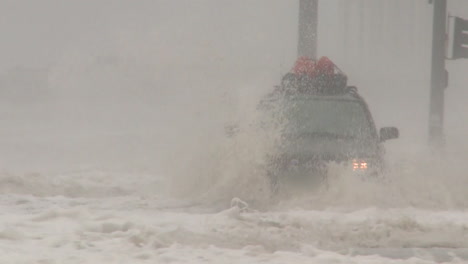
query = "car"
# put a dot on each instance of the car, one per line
(323, 121)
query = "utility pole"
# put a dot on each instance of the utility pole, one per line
(345, 7)
(439, 76)
(308, 24)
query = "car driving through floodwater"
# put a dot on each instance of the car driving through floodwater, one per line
(323, 121)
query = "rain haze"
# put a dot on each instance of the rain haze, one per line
(115, 143)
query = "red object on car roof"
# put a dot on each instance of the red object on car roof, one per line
(307, 66)
(325, 66)
(304, 66)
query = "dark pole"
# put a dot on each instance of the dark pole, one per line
(438, 75)
(308, 24)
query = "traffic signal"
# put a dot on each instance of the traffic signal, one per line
(460, 38)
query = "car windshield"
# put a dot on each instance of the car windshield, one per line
(331, 118)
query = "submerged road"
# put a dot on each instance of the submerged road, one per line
(100, 218)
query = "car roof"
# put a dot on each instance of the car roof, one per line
(339, 97)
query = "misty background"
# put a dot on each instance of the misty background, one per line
(150, 85)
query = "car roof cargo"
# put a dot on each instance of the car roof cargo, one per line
(315, 77)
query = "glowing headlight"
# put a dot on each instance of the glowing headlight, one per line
(359, 165)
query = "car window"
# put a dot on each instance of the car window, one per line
(327, 118)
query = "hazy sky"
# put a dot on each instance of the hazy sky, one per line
(39, 32)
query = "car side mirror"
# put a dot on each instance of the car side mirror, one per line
(387, 133)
